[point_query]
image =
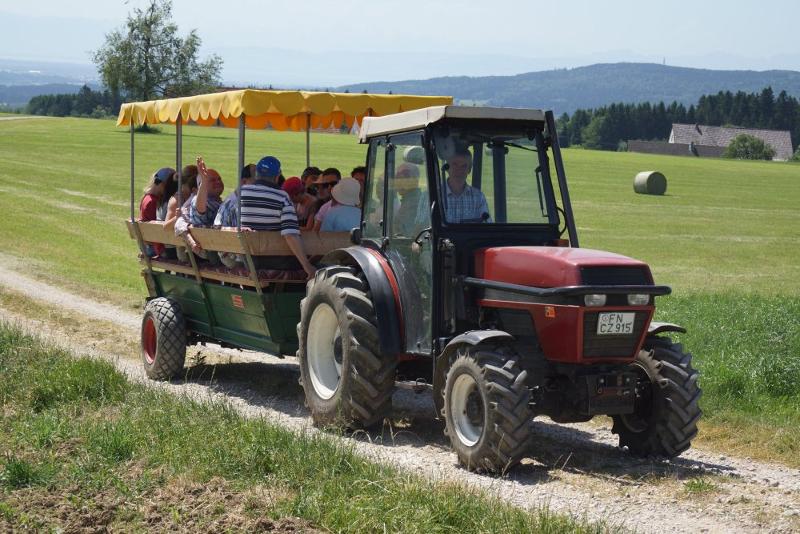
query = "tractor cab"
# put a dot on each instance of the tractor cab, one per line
(444, 184)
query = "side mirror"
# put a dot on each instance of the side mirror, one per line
(355, 236)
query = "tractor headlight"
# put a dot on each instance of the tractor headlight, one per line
(594, 300)
(637, 299)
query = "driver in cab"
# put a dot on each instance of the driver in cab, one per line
(464, 203)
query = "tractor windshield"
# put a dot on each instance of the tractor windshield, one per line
(493, 178)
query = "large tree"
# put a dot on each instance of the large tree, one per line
(147, 59)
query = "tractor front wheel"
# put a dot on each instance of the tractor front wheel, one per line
(346, 379)
(486, 408)
(163, 343)
(666, 410)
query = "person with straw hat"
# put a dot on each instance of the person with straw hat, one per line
(346, 214)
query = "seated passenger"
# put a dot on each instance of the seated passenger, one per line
(227, 215)
(310, 176)
(360, 174)
(182, 217)
(411, 214)
(267, 207)
(148, 205)
(187, 189)
(167, 251)
(170, 188)
(304, 204)
(208, 199)
(463, 203)
(346, 214)
(329, 178)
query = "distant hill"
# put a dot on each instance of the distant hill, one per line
(566, 90)
(21, 80)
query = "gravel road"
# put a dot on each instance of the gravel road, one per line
(575, 469)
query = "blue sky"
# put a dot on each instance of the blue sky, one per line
(324, 43)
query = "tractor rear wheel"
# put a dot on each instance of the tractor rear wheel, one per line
(163, 346)
(486, 408)
(666, 409)
(346, 379)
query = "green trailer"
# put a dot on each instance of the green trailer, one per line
(190, 302)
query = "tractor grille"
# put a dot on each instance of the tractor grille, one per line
(616, 346)
(614, 276)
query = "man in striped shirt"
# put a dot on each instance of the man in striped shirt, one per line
(265, 206)
(463, 203)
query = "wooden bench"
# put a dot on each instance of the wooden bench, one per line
(258, 243)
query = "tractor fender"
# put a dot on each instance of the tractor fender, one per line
(384, 289)
(657, 328)
(473, 337)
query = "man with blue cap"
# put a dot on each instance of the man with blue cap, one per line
(265, 206)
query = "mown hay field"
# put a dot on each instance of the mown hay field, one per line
(726, 237)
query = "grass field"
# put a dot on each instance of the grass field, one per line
(726, 237)
(85, 450)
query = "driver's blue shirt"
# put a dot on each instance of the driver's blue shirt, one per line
(469, 206)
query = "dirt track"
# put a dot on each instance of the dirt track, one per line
(574, 469)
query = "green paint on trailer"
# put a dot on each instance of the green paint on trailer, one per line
(241, 317)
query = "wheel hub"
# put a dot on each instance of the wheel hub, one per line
(149, 339)
(639, 420)
(324, 351)
(467, 409)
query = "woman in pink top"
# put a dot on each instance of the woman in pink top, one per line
(304, 204)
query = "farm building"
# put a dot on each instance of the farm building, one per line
(711, 141)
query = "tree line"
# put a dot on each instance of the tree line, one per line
(85, 103)
(610, 127)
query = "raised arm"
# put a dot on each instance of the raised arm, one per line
(201, 200)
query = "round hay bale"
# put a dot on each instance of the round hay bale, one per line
(650, 183)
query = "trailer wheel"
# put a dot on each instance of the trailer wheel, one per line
(163, 345)
(666, 409)
(486, 408)
(347, 382)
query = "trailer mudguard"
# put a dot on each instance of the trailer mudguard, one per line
(473, 337)
(383, 288)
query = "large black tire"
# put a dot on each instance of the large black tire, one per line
(486, 408)
(163, 341)
(666, 409)
(347, 381)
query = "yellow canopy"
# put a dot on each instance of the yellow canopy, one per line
(282, 110)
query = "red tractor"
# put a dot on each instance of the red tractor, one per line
(461, 279)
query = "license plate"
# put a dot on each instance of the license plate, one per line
(610, 323)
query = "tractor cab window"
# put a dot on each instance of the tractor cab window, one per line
(410, 208)
(492, 178)
(372, 224)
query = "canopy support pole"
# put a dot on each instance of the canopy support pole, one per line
(179, 155)
(308, 139)
(240, 166)
(132, 170)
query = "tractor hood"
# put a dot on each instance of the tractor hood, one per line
(559, 267)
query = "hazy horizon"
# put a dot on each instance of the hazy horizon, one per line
(318, 44)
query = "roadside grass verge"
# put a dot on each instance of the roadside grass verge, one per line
(83, 447)
(747, 348)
